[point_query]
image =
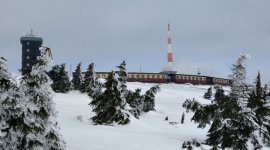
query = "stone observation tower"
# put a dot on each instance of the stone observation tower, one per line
(168, 68)
(30, 51)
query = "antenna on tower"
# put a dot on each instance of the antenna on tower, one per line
(199, 72)
(31, 32)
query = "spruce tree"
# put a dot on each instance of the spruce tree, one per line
(123, 78)
(135, 101)
(110, 106)
(259, 91)
(235, 125)
(260, 105)
(149, 99)
(208, 94)
(12, 106)
(40, 130)
(77, 79)
(91, 84)
(241, 117)
(60, 79)
(88, 78)
(219, 95)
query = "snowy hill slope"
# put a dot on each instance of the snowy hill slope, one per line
(151, 131)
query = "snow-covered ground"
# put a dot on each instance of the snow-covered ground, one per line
(150, 132)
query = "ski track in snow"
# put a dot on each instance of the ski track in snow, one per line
(150, 132)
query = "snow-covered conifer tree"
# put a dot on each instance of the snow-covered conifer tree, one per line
(260, 104)
(89, 78)
(12, 106)
(240, 119)
(60, 79)
(219, 95)
(149, 98)
(122, 73)
(208, 94)
(134, 99)
(91, 84)
(41, 130)
(109, 106)
(234, 126)
(239, 91)
(77, 79)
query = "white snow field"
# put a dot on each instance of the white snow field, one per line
(150, 132)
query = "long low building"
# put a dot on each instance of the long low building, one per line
(170, 78)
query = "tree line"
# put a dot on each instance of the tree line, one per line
(111, 101)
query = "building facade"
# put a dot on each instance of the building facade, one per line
(30, 51)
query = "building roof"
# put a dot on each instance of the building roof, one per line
(28, 38)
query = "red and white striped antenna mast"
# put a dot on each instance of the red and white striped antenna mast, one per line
(170, 56)
(169, 66)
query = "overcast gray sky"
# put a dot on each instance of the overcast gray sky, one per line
(206, 34)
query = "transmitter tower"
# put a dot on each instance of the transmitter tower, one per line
(30, 51)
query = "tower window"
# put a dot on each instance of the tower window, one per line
(27, 57)
(28, 50)
(28, 43)
(27, 65)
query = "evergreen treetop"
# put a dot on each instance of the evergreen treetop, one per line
(122, 78)
(239, 89)
(60, 79)
(122, 72)
(77, 79)
(135, 101)
(88, 77)
(110, 106)
(208, 94)
(149, 99)
(91, 84)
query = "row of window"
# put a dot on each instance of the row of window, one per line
(104, 76)
(139, 76)
(147, 76)
(190, 78)
(220, 81)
